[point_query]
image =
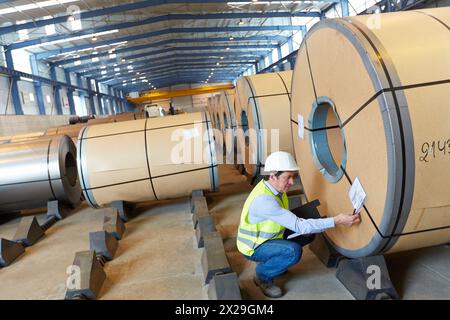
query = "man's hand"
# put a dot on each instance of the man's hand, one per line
(346, 219)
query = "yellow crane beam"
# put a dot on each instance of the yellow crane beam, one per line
(161, 95)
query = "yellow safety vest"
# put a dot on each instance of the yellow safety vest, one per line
(250, 236)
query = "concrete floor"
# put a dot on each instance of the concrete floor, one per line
(418, 274)
(157, 257)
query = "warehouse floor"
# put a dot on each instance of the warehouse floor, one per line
(158, 259)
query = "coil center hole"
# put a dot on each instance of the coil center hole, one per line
(327, 140)
(71, 169)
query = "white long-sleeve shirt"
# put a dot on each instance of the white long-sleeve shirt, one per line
(265, 207)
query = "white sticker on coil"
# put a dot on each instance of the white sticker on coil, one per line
(357, 195)
(190, 133)
(301, 125)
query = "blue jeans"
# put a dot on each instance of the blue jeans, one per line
(274, 257)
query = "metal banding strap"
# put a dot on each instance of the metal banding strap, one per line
(81, 164)
(146, 158)
(136, 131)
(48, 168)
(394, 234)
(365, 104)
(25, 182)
(309, 67)
(433, 17)
(143, 179)
(285, 86)
(229, 109)
(400, 128)
(210, 152)
(257, 115)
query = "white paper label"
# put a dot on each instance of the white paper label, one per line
(357, 195)
(301, 129)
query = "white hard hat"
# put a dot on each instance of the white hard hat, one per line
(280, 161)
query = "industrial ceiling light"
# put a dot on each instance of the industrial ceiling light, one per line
(123, 60)
(67, 39)
(217, 64)
(37, 5)
(94, 38)
(221, 58)
(241, 22)
(228, 48)
(231, 38)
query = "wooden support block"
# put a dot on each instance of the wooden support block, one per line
(195, 194)
(87, 277)
(57, 209)
(125, 209)
(325, 251)
(214, 259)
(366, 278)
(224, 287)
(112, 223)
(103, 243)
(200, 210)
(28, 232)
(205, 225)
(9, 251)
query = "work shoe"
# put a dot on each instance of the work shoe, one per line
(268, 288)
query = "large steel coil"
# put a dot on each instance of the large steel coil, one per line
(263, 107)
(136, 161)
(36, 171)
(370, 100)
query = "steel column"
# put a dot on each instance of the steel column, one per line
(56, 88)
(70, 93)
(14, 86)
(37, 85)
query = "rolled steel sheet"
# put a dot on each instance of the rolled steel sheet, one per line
(264, 106)
(226, 101)
(72, 130)
(36, 171)
(373, 95)
(133, 161)
(21, 137)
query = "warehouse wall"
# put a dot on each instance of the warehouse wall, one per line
(28, 97)
(49, 100)
(4, 93)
